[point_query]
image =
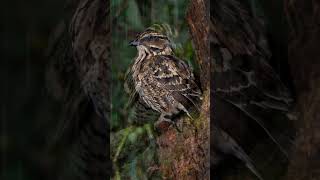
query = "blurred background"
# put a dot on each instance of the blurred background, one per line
(28, 114)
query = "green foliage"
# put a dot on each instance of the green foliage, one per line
(133, 147)
(127, 154)
(130, 21)
(133, 15)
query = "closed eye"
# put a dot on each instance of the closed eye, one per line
(154, 48)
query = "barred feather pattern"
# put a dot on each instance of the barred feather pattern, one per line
(89, 33)
(242, 74)
(166, 84)
(163, 82)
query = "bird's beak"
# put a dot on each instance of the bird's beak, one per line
(134, 43)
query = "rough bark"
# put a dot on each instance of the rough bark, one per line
(304, 59)
(185, 155)
(198, 21)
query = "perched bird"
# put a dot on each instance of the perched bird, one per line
(79, 77)
(160, 80)
(245, 86)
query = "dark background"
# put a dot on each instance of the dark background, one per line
(28, 113)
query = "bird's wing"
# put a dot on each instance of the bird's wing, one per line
(129, 88)
(250, 84)
(176, 77)
(241, 59)
(227, 145)
(141, 113)
(250, 80)
(242, 75)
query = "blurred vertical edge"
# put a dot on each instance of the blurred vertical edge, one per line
(79, 53)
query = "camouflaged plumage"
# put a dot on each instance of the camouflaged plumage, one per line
(244, 80)
(162, 81)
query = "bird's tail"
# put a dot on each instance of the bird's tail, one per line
(227, 145)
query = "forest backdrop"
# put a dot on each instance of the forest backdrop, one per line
(29, 114)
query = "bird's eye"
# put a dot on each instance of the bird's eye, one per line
(154, 48)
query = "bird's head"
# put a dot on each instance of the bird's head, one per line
(152, 42)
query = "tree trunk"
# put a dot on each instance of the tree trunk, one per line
(304, 59)
(185, 155)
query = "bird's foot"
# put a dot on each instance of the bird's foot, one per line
(164, 123)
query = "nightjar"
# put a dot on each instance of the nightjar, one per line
(246, 86)
(243, 75)
(160, 80)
